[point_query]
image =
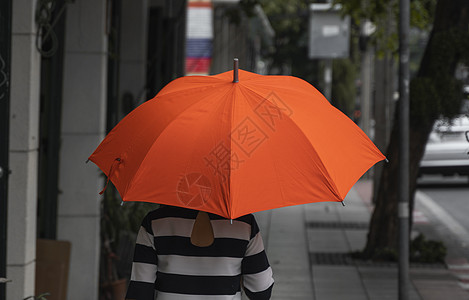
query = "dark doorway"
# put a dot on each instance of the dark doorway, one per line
(52, 52)
(166, 45)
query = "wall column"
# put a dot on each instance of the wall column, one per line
(83, 127)
(23, 156)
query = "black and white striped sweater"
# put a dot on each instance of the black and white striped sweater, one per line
(168, 266)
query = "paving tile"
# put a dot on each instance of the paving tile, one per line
(337, 282)
(440, 289)
(327, 240)
(435, 284)
(356, 238)
(286, 247)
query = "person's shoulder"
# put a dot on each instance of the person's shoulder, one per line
(166, 211)
(249, 218)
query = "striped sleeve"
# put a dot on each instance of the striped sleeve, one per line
(255, 267)
(144, 266)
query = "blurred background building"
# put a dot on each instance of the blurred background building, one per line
(70, 71)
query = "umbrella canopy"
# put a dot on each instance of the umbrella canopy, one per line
(235, 147)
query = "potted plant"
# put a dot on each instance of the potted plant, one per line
(119, 226)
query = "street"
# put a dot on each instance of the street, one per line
(446, 202)
(453, 196)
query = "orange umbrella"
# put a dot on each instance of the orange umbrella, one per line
(233, 147)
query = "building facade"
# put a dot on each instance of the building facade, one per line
(74, 69)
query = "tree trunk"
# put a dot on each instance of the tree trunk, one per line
(433, 92)
(383, 231)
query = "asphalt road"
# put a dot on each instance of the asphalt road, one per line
(446, 203)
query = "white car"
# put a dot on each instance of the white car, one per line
(447, 149)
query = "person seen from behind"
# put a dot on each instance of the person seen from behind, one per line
(186, 254)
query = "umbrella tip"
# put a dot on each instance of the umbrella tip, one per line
(235, 70)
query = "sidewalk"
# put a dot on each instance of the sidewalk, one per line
(307, 247)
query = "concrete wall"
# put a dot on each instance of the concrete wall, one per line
(23, 160)
(83, 127)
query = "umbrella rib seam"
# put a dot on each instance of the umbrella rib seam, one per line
(230, 202)
(332, 185)
(130, 183)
